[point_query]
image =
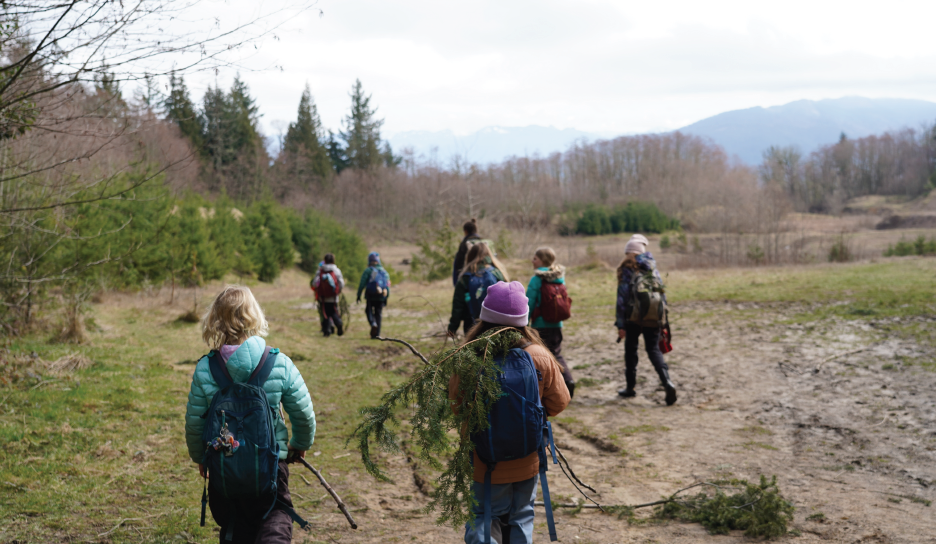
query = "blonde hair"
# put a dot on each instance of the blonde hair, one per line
(476, 257)
(233, 315)
(546, 255)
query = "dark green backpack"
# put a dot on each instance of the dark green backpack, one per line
(647, 306)
(241, 451)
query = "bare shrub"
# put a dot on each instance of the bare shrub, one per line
(69, 363)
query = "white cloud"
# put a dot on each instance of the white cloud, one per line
(599, 66)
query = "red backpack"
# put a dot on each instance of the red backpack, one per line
(555, 304)
(328, 285)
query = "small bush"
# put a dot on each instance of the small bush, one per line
(504, 244)
(696, 245)
(437, 251)
(755, 254)
(665, 242)
(840, 252)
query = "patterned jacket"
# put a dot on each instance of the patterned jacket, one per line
(645, 263)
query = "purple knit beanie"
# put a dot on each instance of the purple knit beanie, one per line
(506, 304)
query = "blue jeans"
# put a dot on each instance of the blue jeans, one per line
(511, 508)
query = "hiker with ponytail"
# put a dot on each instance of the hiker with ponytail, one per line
(513, 483)
(550, 305)
(470, 228)
(641, 310)
(481, 271)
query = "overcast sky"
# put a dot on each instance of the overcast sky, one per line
(602, 66)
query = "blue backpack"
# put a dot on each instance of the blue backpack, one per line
(518, 427)
(378, 283)
(242, 454)
(478, 284)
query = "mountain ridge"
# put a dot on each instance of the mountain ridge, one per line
(809, 124)
(744, 133)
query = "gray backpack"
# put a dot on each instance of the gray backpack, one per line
(647, 306)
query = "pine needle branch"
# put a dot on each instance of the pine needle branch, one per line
(435, 416)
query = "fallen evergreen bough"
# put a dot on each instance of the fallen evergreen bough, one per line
(758, 510)
(437, 430)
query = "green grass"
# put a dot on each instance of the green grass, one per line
(635, 429)
(906, 287)
(752, 444)
(107, 443)
(589, 382)
(755, 430)
(860, 290)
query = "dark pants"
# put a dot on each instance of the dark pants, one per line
(373, 310)
(247, 516)
(552, 337)
(332, 318)
(651, 339)
(469, 320)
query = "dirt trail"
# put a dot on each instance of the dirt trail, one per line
(855, 442)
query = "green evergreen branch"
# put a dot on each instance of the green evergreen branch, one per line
(757, 509)
(435, 417)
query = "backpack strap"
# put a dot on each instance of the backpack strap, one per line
(550, 522)
(303, 524)
(487, 503)
(219, 369)
(204, 498)
(264, 367)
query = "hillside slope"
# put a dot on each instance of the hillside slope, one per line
(809, 124)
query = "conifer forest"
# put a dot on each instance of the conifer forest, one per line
(801, 294)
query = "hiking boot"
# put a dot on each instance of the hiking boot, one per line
(374, 331)
(670, 394)
(630, 378)
(340, 331)
(626, 393)
(668, 386)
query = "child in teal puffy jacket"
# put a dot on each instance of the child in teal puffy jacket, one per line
(234, 327)
(547, 271)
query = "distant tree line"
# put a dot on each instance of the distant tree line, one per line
(224, 132)
(898, 163)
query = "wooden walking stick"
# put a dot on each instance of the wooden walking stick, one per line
(341, 505)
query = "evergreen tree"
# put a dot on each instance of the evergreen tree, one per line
(244, 131)
(303, 142)
(389, 159)
(215, 120)
(224, 225)
(362, 132)
(336, 153)
(181, 110)
(233, 143)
